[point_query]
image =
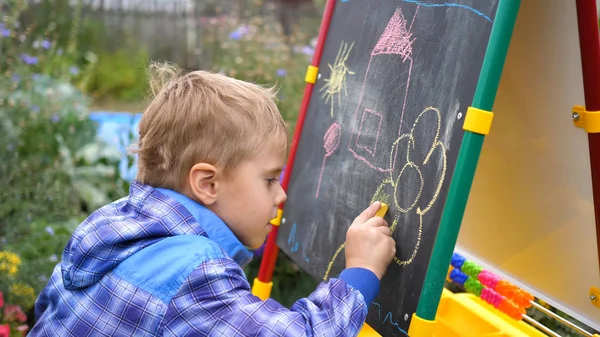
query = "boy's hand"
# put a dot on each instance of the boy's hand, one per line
(369, 243)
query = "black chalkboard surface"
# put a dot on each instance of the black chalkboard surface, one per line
(384, 123)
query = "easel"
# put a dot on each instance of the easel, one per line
(466, 311)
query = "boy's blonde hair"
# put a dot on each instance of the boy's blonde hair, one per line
(203, 117)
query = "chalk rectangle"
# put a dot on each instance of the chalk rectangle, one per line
(368, 134)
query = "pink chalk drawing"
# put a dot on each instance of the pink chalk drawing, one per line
(393, 49)
(370, 149)
(331, 143)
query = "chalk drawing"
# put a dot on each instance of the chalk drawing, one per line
(331, 143)
(396, 40)
(293, 243)
(436, 145)
(337, 79)
(448, 4)
(371, 149)
(395, 184)
(292, 239)
(388, 318)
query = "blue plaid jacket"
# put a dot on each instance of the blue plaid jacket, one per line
(156, 263)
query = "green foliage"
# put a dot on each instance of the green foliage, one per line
(253, 50)
(120, 75)
(53, 168)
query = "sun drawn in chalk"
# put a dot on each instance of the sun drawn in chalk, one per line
(337, 79)
(403, 189)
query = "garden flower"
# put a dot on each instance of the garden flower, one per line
(14, 313)
(1, 300)
(22, 290)
(23, 329)
(29, 59)
(239, 32)
(281, 72)
(49, 230)
(5, 32)
(4, 330)
(9, 262)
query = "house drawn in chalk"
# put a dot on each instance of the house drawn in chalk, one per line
(382, 99)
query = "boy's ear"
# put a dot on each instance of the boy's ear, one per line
(203, 183)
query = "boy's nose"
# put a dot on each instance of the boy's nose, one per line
(281, 197)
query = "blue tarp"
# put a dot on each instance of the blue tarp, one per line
(115, 129)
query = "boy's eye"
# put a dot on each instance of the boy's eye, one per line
(271, 181)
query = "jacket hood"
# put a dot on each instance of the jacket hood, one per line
(118, 230)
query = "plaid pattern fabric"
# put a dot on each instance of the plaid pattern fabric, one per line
(87, 296)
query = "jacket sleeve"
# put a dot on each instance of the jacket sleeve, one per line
(215, 300)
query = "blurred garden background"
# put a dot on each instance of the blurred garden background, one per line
(72, 88)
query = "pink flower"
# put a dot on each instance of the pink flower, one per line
(1, 300)
(4, 330)
(14, 313)
(23, 329)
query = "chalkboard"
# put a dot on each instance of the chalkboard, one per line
(384, 123)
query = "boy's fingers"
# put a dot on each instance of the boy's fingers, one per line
(385, 230)
(376, 222)
(369, 212)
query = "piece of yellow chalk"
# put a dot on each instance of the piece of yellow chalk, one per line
(381, 212)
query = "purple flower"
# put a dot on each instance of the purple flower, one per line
(29, 59)
(239, 32)
(5, 32)
(281, 72)
(308, 50)
(49, 230)
(46, 44)
(74, 70)
(235, 35)
(55, 118)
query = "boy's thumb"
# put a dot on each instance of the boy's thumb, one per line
(369, 212)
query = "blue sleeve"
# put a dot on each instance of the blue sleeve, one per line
(362, 280)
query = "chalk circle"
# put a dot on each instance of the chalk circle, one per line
(405, 186)
(415, 250)
(422, 123)
(331, 140)
(398, 155)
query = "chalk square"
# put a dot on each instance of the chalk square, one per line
(368, 133)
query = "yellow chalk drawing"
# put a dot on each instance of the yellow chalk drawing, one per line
(337, 252)
(380, 195)
(337, 79)
(396, 185)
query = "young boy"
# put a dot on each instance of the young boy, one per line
(167, 259)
